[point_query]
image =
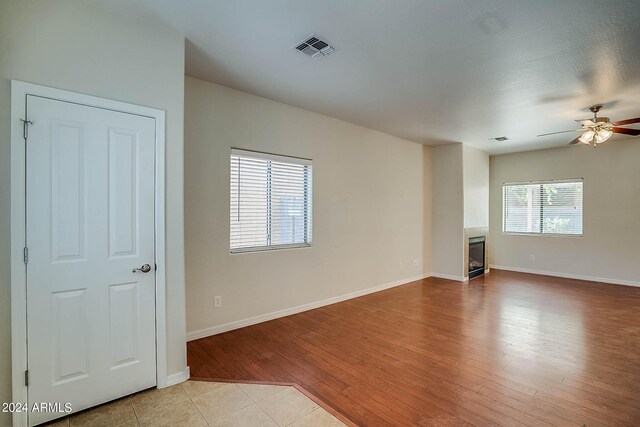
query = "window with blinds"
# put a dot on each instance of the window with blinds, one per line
(548, 207)
(270, 201)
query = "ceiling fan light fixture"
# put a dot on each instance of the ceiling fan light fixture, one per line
(587, 137)
(602, 135)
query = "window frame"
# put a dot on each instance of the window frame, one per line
(541, 233)
(308, 200)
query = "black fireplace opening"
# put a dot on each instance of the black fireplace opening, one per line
(476, 256)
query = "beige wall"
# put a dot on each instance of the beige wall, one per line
(475, 169)
(447, 221)
(609, 249)
(368, 202)
(77, 46)
(426, 209)
(460, 205)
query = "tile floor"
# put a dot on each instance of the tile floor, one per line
(203, 403)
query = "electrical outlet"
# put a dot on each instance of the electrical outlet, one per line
(217, 301)
(416, 263)
(532, 257)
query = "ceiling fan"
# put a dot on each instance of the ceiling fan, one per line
(599, 129)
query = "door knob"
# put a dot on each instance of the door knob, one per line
(144, 269)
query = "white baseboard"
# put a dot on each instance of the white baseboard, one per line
(450, 277)
(568, 276)
(194, 335)
(177, 378)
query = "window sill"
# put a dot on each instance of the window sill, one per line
(506, 233)
(241, 251)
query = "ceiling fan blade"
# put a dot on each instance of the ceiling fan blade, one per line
(562, 131)
(586, 123)
(626, 122)
(575, 141)
(633, 132)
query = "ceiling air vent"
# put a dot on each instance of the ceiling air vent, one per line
(314, 47)
(500, 138)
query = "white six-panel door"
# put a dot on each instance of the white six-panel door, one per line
(90, 223)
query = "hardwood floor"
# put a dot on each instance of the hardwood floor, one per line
(507, 349)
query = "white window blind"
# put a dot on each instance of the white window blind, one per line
(549, 207)
(270, 201)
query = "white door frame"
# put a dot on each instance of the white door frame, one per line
(19, 92)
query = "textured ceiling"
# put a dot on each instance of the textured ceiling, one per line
(430, 71)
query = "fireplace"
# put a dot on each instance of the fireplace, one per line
(476, 256)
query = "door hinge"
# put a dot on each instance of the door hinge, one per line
(25, 128)
(26, 378)
(26, 255)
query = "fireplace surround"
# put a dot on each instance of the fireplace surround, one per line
(472, 233)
